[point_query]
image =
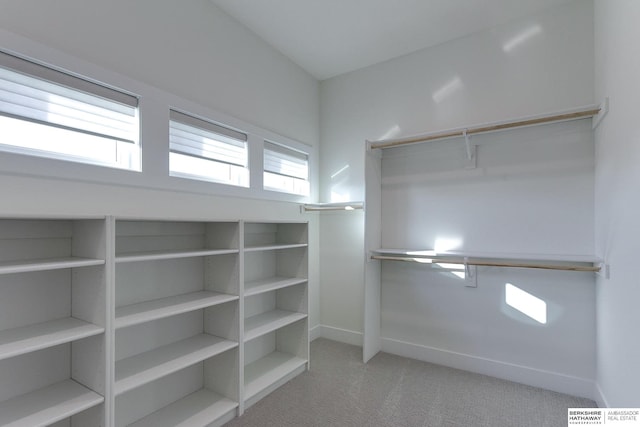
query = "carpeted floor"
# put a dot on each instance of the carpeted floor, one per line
(339, 390)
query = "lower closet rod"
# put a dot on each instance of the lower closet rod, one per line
(572, 267)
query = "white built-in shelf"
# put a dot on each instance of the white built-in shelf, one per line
(48, 405)
(25, 339)
(198, 409)
(270, 321)
(26, 266)
(266, 285)
(134, 314)
(268, 370)
(160, 255)
(143, 368)
(275, 247)
(510, 256)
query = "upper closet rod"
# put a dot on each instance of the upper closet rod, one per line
(582, 113)
(566, 267)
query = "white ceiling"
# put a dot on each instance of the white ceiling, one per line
(332, 37)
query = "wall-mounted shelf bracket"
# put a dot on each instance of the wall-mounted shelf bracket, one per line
(604, 109)
(368, 145)
(471, 151)
(470, 274)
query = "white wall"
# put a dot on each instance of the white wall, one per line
(618, 200)
(188, 53)
(532, 192)
(552, 70)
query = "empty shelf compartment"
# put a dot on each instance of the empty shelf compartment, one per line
(198, 409)
(268, 370)
(274, 283)
(48, 405)
(134, 314)
(140, 369)
(25, 339)
(26, 266)
(264, 323)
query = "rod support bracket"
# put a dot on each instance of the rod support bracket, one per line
(604, 109)
(604, 271)
(470, 274)
(471, 151)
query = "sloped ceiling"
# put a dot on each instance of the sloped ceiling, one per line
(332, 37)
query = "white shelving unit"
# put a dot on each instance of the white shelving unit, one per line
(177, 298)
(53, 286)
(275, 306)
(110, 322)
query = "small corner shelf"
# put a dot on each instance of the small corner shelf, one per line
(197, 409)
(147, 311)
(26, 266)
(270, 321)
(143, 368)
(25, 339)
(48, 405)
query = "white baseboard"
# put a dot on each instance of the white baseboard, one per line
(554, 381)
(600, 398)
(315, 332)
(336, 334)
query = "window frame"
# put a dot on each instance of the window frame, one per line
(291, 178)
(224, 134)
(35, 91)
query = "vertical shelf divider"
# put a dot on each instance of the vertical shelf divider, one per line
(241, 350)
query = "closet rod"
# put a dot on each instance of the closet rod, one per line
(566, 267)
(530, 121)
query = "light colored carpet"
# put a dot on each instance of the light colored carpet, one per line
(340, 390)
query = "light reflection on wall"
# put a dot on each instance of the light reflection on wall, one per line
(445, 244)
(391, 133)
(522, 37)
(527, 304)
(339, 181)
(446, 90)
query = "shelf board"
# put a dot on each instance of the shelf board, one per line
(134, 314)
(143, 368)
(510, 256)
(271, 284)
(266, 371)
(264, 323)
(198, 409)
(25, 339)
(48, 405)
(25, 266)
(275, 247)
(160, 255)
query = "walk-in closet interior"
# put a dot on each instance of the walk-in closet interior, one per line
(193, 192)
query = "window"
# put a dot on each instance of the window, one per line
(203, 150)
(285, 169)
(48, 113)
